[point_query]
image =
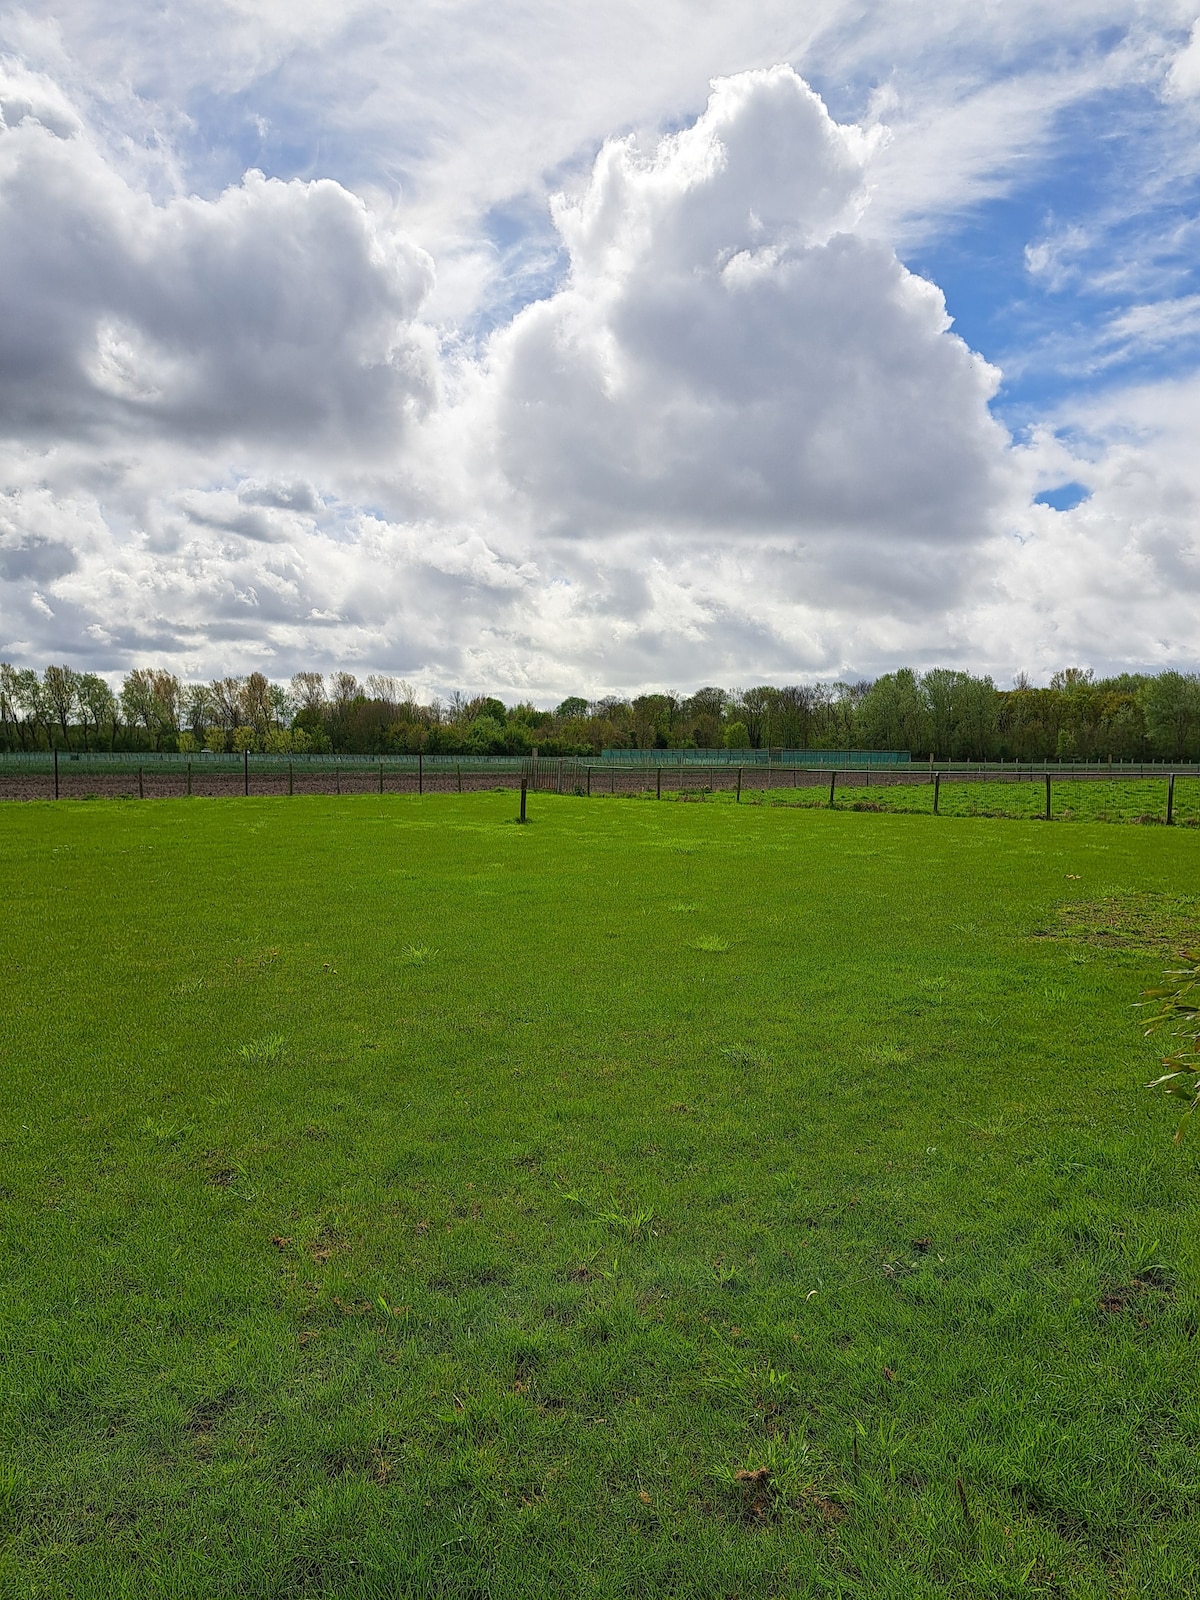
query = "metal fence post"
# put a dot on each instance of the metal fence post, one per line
(458, 769)
(589, 783)
(246, 771)
(291, 780)
(739, 786)
(1047, 797)
(658, 783)
(937, 791)
(189, 778)
(832, 782)
(141, 786)
(524, 789)
(56, 772)
(420, 773)
(1170, 799)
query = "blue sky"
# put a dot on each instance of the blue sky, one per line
(1124, 242)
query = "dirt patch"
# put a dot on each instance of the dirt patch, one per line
(1143, 1295)
(156, 784)
(1141, 923)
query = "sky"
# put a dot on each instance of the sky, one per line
(554, 348)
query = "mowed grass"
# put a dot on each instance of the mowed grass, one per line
(1141, 800)
(398, 1201)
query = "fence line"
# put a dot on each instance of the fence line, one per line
(74, 777)
(776, 761)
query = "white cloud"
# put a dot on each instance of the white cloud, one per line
(1116, 579)
(1183, 78)
(274, 311)
(730, 357)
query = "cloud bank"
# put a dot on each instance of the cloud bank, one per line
(738, 438)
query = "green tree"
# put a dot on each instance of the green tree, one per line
(60, 686)
(702, 717)
(199, 709)
(753, 707)
(29, 698)
(226, 694)
(894, 714)
(8, 705)
(1171, 702)
(652, 718)
(97, 706)
(737, 736)
(151, 699)
(308, 694)
(255, 703)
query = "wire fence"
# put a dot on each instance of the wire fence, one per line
(772, 757)
(79, 775)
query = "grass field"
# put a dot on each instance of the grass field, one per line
(400, 1202)
(1072, 800)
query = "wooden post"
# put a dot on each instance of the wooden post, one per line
(589, 783)
(931, 766)
(420, 773)
(658, 783)
(141, 786)
(56, 772)
(246, 770)
(937, 791)
(1047, 797)
(381, 777)
(337, 779)
(189, 786)
(458, 769)
(524, 787)
(832, 782)
(739, 786)
(1170, 799)
(291, 780)
(560, 767)
(612, 780)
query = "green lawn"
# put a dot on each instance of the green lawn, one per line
(1142, 800)
(396, 1201)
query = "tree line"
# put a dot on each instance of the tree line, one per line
(948, 714)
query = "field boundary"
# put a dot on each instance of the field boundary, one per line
(86, 776)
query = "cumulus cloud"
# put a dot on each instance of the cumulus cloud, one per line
(1117, 578)
(730, 357)
(276, 310)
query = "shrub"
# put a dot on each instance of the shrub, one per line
(1179, 1003)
